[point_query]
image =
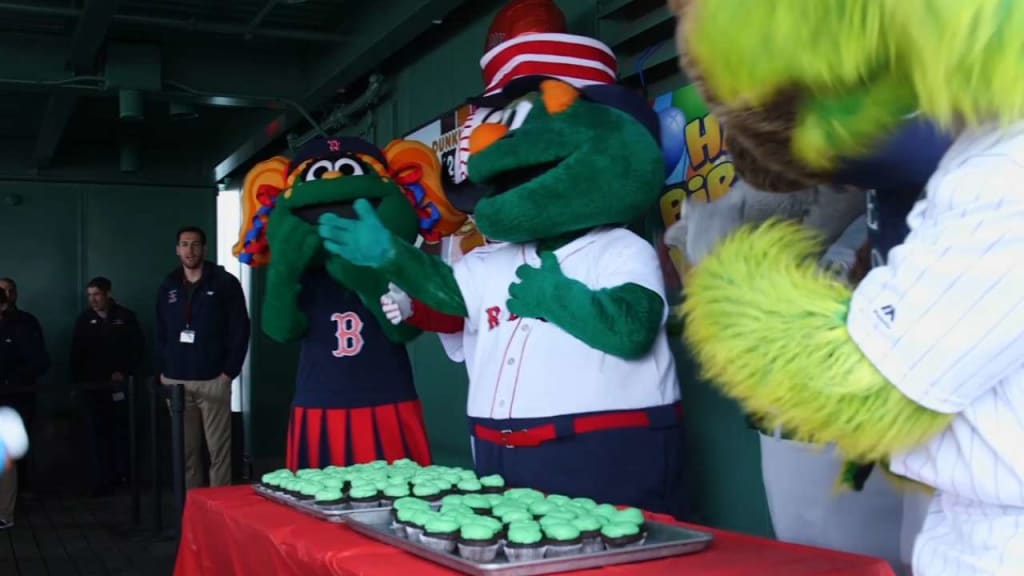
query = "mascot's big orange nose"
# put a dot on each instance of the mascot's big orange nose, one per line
(485, 135)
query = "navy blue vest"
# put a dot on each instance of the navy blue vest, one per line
(346, 361)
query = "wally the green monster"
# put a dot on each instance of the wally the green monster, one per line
(573, 386)
(354, 395)
(922, 364)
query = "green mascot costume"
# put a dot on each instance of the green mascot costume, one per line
(920, 365)
(572, 383)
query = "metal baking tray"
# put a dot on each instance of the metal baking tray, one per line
(309, 507)
(663, 540)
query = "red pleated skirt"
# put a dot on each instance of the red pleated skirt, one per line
(321, 437)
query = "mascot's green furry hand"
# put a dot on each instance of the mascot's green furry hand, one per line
(296, 244)
(769, 328)
(622, 321)
(364, 241)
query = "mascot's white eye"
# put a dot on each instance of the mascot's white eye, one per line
(317, 170)
(516, 114)
(348, 167)
(494, 116)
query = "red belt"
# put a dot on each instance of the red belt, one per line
(538, 435)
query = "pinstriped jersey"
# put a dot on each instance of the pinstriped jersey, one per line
(943, 320)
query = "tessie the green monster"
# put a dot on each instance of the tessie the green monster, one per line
(572, 383)
(354, 395)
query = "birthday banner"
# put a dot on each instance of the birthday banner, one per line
(698, 165)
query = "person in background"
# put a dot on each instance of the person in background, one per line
(23, 360)
(106, 349)
(202, 339)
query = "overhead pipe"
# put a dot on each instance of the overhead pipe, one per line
(174, 24)
(342, 115)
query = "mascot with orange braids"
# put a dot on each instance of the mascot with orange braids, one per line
(354, 395)
(919, 366)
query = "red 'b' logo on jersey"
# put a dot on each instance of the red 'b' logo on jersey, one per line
(350, 334)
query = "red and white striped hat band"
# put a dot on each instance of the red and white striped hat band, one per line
(578, 60)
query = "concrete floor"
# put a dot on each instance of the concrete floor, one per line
(75, 536)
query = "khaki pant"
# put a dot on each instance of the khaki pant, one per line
(207, 410)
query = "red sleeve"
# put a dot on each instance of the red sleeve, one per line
(430, 320)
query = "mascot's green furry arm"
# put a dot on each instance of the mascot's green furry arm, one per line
(834, 78)
(562, 142)
(787, 355)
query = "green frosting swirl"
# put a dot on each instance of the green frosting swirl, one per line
(456, 508)
(471, 485)
(406, 515)
(421, 517)
(306, 472)
(441, 525)
(562, 514)
(515, 515)
(559, 499)
(363, 492)
(619, 529)
(633, 515)
(524, 535)
(494, 499)
(561, 532)
(426, 489)
(489, 521)
(493, 481)
(606, 510)
(542, 507)
(327, 494)
(403, 462)
(507, 506)
(310, 488)
(396, 490)
(476, 501)
(451, 499)
(333, 482)
(587, 523)
(524, 524)
(411, 503)
(477, 531)
(585, 503)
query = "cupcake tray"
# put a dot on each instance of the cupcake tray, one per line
(310, 508)
(663, 540)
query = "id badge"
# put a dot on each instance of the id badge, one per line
(188, 336)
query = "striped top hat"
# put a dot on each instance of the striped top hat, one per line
(578, 60)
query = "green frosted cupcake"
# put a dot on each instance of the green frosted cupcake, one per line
(333, 482)
(606, 510)
(524, 543)
(470, 486)
(440, 534)
(456, 508)
(493, 484)
(515, 515)
(411, 503)
(494, 498)
(590, 531)
(558, 499)
(402, 519)
(621, 535)
(524, 524)
(393, 492)
(585, 503)
(542, 508)
(478, 503)
(308, 490)
(417, 521)
(364, 497)
(478, 542)
(451, 499)
(330, 499)
(634, 515)
(428, 491)
(563, 540)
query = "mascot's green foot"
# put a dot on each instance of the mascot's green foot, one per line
(769, 328)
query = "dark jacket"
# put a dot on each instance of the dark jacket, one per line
(23, 355)
(214, 310)
(102, 346)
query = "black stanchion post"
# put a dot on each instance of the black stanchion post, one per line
(154, 455)
(133, 451)
(178, 444)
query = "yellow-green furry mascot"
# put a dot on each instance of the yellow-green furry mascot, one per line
(922, 365)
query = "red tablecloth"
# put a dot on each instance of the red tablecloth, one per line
(229, 531)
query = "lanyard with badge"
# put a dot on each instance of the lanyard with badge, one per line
(188, 335)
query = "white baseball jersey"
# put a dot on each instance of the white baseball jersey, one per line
(530, 368)
(944, 322)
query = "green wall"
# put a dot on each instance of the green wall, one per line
(723, 458)
(57, 237)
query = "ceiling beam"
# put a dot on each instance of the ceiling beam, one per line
(85, 45)
(383, 35)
